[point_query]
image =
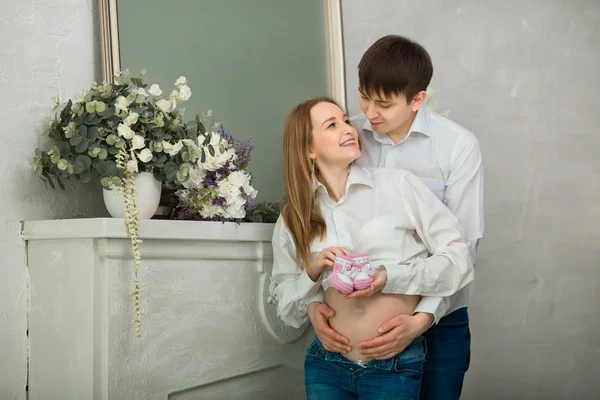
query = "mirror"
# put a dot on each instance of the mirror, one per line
(248, 61)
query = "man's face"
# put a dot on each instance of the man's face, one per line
(391, 115)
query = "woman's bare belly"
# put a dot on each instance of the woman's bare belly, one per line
(358, 318)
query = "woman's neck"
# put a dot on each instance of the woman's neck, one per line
(334, 179)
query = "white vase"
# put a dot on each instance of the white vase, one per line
(148, 192)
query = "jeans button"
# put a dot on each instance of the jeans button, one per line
(351, 369)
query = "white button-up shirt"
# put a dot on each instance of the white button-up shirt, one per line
(391, 215)
(446, 157)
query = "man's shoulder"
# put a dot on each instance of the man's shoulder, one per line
(446, 129)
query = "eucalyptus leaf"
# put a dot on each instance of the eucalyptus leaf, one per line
(82, 146)
(78, 167)
(60, 184)
(85, 160)
(75, 140)
(82, 130)
(92, 133)
(109, 112)
(170, 167)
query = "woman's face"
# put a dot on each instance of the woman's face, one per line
(334, 139)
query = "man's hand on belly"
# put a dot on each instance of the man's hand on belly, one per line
(319, 314)
(397, 334)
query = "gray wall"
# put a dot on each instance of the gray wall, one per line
(522, 75)
(47, 49)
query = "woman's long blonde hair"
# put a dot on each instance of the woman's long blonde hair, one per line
(300, 210)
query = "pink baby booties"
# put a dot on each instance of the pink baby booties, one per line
(361, 266)
(339, 278)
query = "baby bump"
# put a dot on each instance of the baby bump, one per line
(358, 318)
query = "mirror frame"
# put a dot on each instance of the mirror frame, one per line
(111, 58)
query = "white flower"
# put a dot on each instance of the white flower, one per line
(145, 155)
(172, 149)
(210, 211)
(131, 119)
(219, 159)
(165, 105)
(142, 92)
(155, 90)
(231, 189)
(137, 142)
(195, 178)
(125, 131)
(209, 113)
(122, 103)
(182, 80)
(185, 93)
(132, 166)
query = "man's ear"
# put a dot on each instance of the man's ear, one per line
(418, 100)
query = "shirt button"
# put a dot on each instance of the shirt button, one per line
(351, 369)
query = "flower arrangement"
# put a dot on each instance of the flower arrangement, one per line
(219, 187)
(113, 132)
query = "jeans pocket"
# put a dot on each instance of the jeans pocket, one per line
(412, 358)
(315, 348)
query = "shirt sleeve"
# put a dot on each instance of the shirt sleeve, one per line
(464, 189)
(291, 287)
(448, 269)
(436, 306)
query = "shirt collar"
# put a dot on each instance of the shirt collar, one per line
(356, 176)
(419, 125)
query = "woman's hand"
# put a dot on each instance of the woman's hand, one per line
(319, 314)
(324, 260)
(379, 281)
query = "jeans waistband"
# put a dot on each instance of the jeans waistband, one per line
(414, 352)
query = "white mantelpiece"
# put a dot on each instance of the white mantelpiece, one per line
(208, 331)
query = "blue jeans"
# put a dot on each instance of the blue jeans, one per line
(448, 357)
(331, 376)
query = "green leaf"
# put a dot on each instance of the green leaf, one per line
(92, 119)
(97, 164)
(162, 157)
(109, 112)
(60, 182)
(92, 133)
(170, 167)
(202, 156)
(63, 147)
(171, 175)
(82, 146)
(185, 156)
(137, 82)
(51, 184)
(112, 139)
(211, 150)
(110, 167)
(82, 130)
(78, 167)
(85, 160)
(75, 140)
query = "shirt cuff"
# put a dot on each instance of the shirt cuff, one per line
(431, 305)
(306, 287)
(398, 278)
